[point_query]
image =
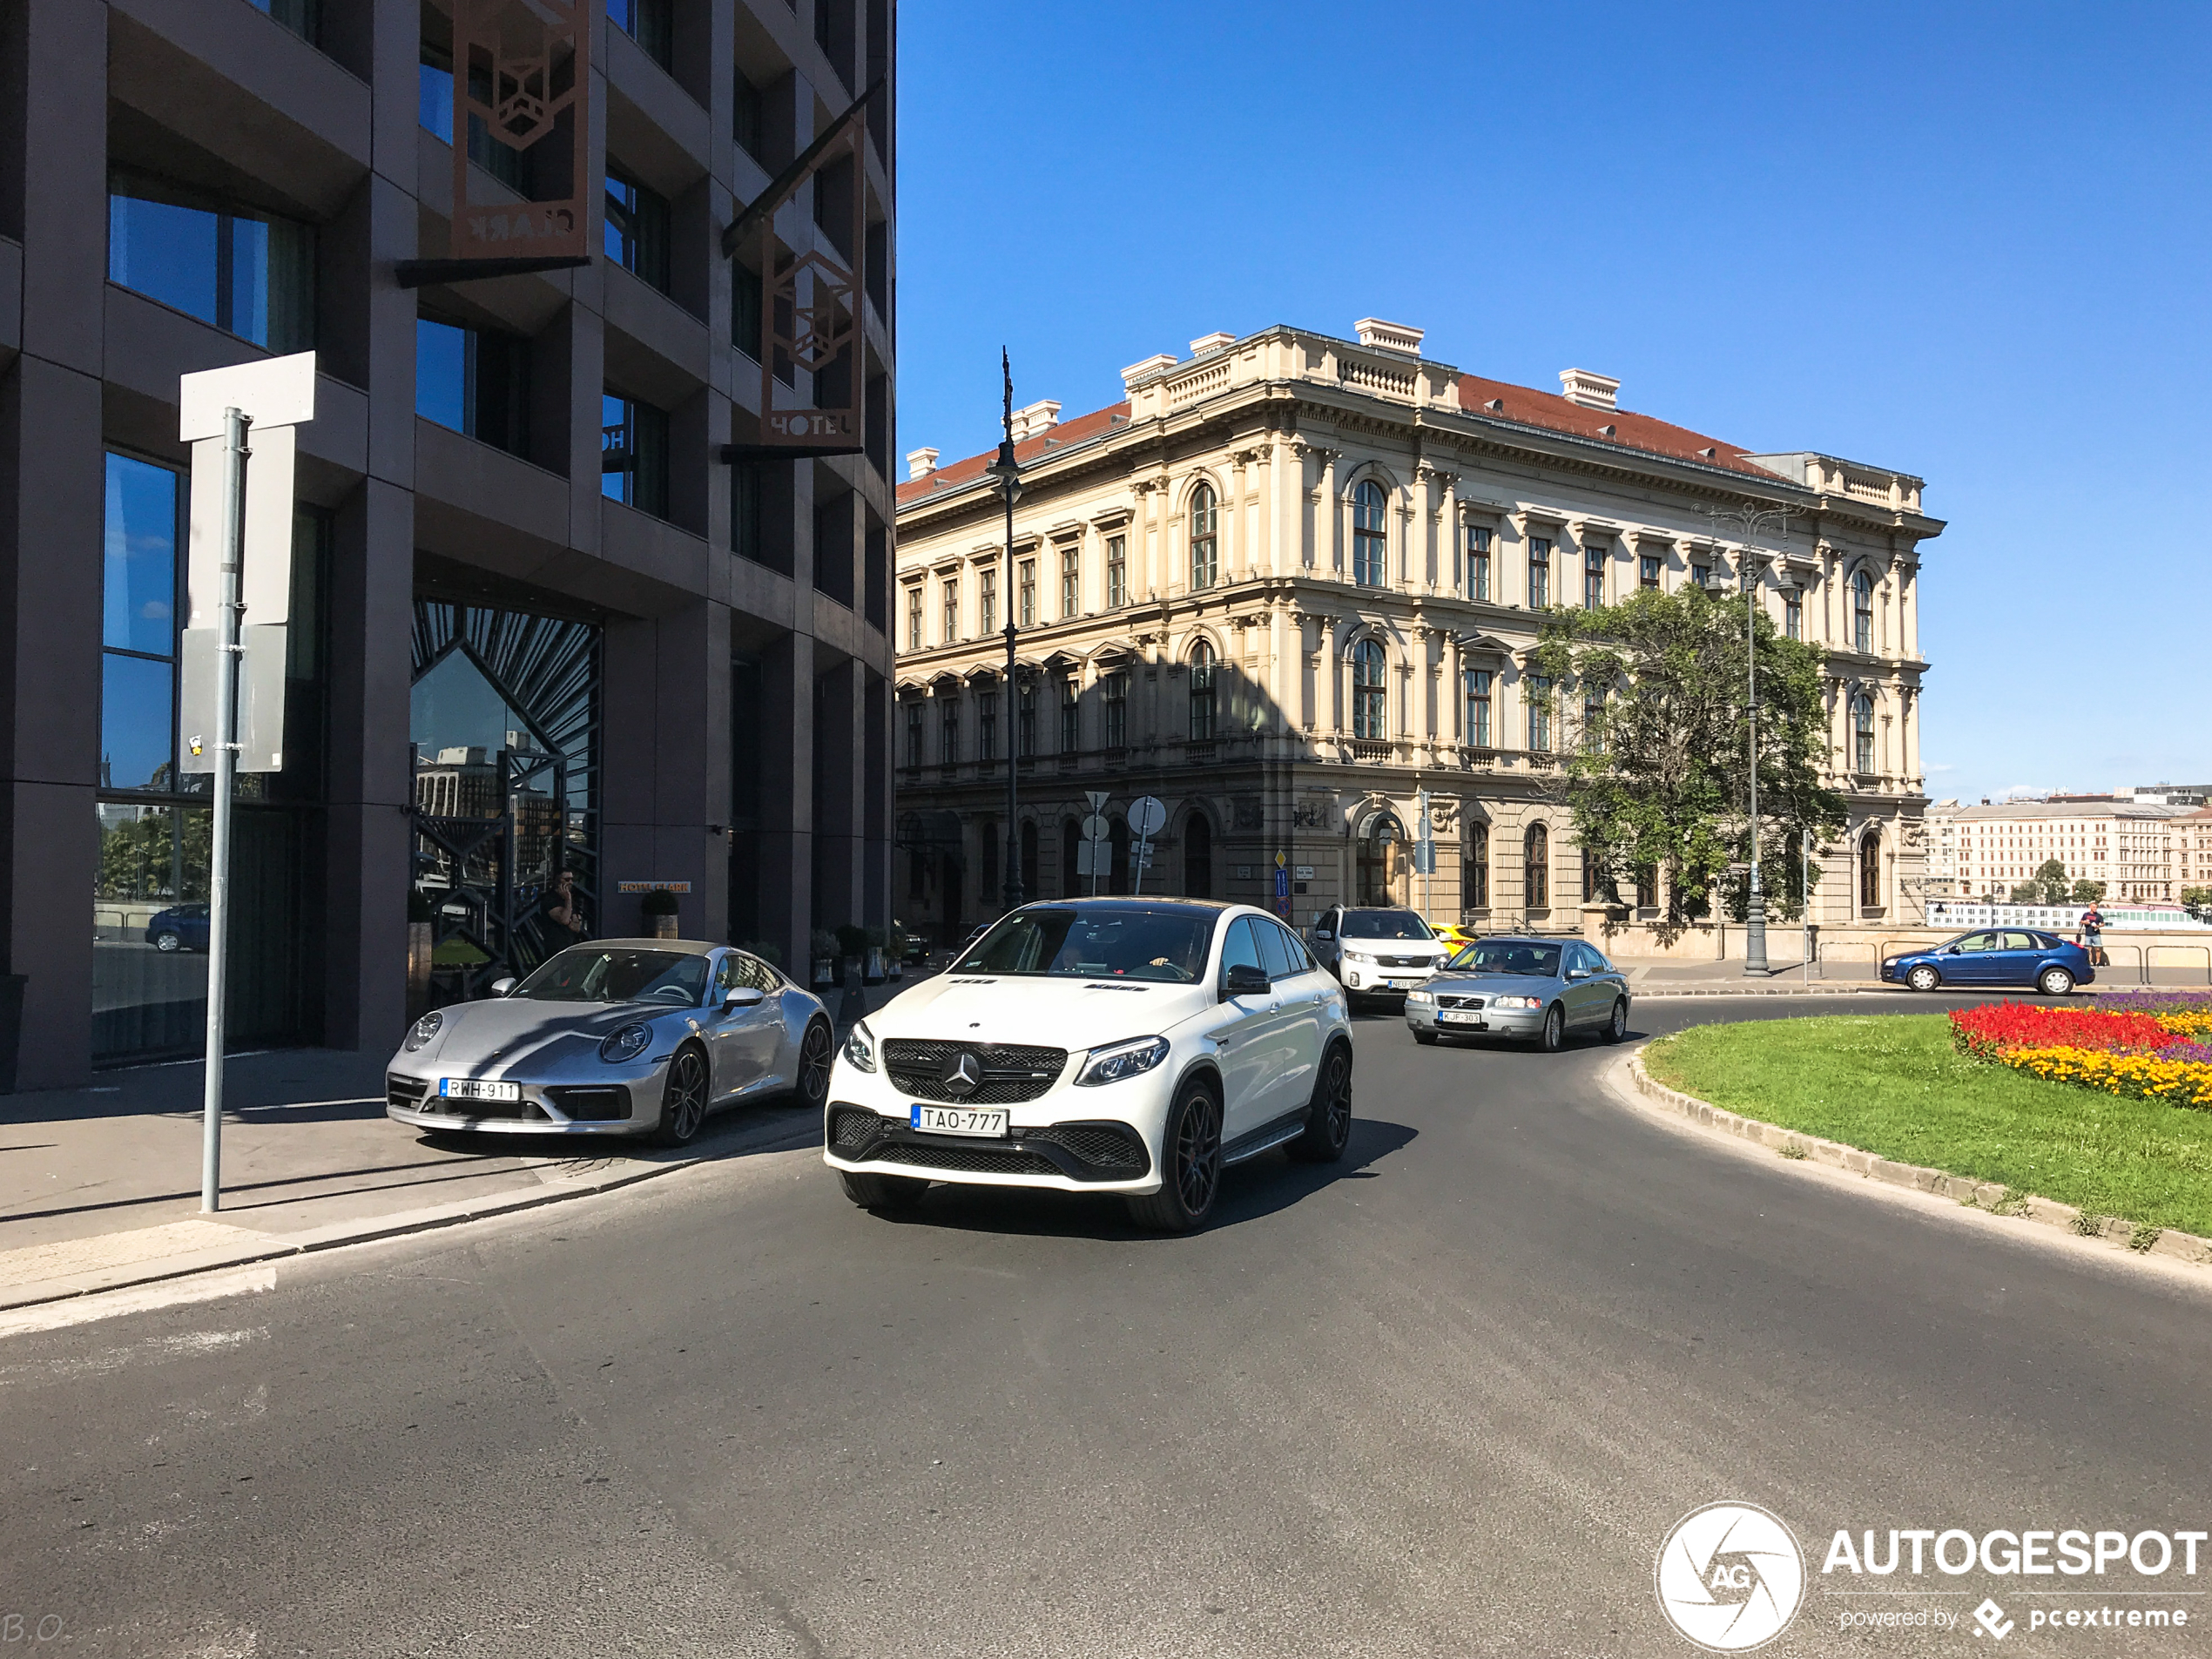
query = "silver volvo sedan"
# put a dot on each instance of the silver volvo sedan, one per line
(619, 1036)
(1532, 988)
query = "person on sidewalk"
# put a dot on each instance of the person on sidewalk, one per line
(560, 915)
(2093, 936)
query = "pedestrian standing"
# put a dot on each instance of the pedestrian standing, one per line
(2092, 935)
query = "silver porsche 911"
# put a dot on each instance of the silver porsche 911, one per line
(619, 1036)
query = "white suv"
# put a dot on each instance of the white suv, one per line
(1136, 1046)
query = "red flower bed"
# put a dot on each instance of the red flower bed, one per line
(1991, 1029)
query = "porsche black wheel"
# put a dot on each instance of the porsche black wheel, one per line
(813, 1073)
(683, 1101)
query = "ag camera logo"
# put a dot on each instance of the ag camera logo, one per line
(1730, 1577)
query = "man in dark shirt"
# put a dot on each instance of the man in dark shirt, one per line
(560, 915)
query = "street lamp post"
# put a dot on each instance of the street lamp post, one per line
(1008, 472)
(1750, 517)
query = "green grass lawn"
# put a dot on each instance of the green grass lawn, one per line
(1892, 1085)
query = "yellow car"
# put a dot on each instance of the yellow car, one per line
(1454, 937)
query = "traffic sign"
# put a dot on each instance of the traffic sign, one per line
(1096, 797)
(1281, 859)
(1282, 883)
(1146, 814)
(1094, 828)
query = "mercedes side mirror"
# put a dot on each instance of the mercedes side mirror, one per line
(502, 987)
(1323, 933)
(744, 997)
(1243, 979)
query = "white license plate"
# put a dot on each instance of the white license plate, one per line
(958, 1120)
(1459, 1016)
(476, 1088)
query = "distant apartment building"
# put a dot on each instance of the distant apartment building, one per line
(2193, 849)
(1984, 851)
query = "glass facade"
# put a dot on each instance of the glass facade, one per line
(251, 273)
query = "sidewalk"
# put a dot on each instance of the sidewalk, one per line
(100, 1187)
(1671, 977)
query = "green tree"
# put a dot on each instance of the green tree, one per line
(2051, 886)
(2027, 892)
(2087, 891)
(1657, 775)
(2197, 901)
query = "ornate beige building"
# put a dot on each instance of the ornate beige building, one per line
(1293, 580)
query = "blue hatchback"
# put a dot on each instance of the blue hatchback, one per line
(180, 927)
(1996, 956)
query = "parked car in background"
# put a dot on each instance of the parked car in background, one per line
(1538, 989)
(180, 927)
(1995, 956)
(1375, 949)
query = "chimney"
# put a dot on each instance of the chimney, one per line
(1389, 336)
(921, 464)
(1206, 343)
(1579, 386)
(1036, 420)
(1147, 369)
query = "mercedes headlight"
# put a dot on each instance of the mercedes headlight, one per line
(423, 1029)
(859, 1048)
(627, 1044)
(1123, 1060)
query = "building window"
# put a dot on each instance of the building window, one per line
(986, 725)
(1026, 591)
(475, 381)
(1648, 568)
(1870, 870)
(1594, 578)
(1862, 614)
(1476, 869)
(952, 611)
(1793, 615)
(1536, 864)
(1205, 548)
(140, 599)
(633, 453)
(1071, 592)
(749, 118)
(913, 618)
(948, 731)
(1701, 576)
(987, 600)
(1593, 721)
(1478, 726)
(1540, 715)
(1116, 686)
(744, 309)
(913, 734)
(636, 229)
(1025, 729)
(1116, 572)
(1071, 716)
(1202, 692)
(647, 22)
(250, 273)
(1540, 573)
(1370, 540)
(1862, 726)
(1370, 710)
(1478, 562)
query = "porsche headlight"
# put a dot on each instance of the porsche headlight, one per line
(1123, 1060)
(423, 1029)
(627, 1044)
(859, 1048)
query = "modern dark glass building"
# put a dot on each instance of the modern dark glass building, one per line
(554, 642)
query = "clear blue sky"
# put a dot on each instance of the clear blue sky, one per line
(1966, 242)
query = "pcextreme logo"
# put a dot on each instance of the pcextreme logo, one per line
(1730, 1577)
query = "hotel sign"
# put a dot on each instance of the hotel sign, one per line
(522, 77)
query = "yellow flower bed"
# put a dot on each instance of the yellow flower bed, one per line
(2196, 1024)
(2181, 1082)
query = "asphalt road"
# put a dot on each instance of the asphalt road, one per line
(1444, 1400)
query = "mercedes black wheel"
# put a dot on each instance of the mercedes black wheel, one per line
(1189, 1165)
(1617, 1027)
(1554, 1037)
(683, 1101)
(882, 1191)
(1328, 1116)
(1923, 978)
(813, 1073)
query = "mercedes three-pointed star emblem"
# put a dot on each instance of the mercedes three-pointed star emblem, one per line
(962, 1075)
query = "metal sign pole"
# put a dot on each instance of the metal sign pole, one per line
(219, 862)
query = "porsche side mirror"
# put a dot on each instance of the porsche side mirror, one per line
(1245, 979)
(502, 987)
(744, 997)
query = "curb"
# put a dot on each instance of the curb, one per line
(1814, 990)
(1983, 1195)
(276, 1247)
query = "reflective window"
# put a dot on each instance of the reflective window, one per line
(1477, 727)
(249, 273)
(1540, 715)
(1862, 611)
(1241, 948)
(1539, 572)
(1205, 561)
(1134, 942)
(1116, 571)
(1370, 537)
(1275, 953)
(1477, 570)
(1202, 692)
(1370, 714)
(475, 381)
(633, 460)
(648, 22)
(637, 230)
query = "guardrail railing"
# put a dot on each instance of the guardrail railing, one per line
(2204, 951)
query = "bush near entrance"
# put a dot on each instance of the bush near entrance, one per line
(1898, 1086)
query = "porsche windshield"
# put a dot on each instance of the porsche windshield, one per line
(1118, 941)
(1507, 956)
(1385, 924)
(608, 974)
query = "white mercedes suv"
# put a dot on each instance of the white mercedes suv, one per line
(1135, 1046)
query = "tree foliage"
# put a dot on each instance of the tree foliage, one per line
(2089, 891)
(1659, 774)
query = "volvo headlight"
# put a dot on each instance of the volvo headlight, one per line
(627, 1044)
(1516, 1002)
(859, 1048)
(423, 1029)
(1418, 997)
(1123, 1060)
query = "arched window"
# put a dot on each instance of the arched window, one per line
(1205, 561)
(1862, 613)
(1475, 868)
(1370, 698)
(1870, 870)
(1032, 873)
(1197, 856)
(1202, 693)
(1861, 733)
(1536, 862)
(1071, 877)
(1369, 542)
